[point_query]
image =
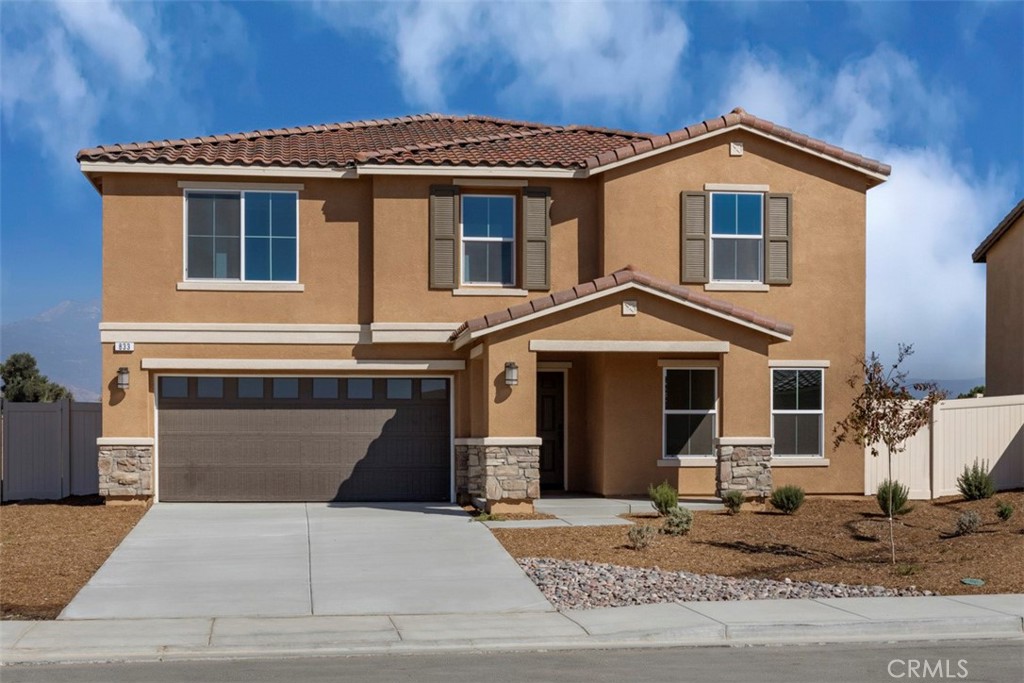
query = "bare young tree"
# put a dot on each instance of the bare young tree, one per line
(886, 412)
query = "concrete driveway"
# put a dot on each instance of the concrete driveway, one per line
(297, 559)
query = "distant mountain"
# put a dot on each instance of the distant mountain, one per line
(65, 341)
(953, 387)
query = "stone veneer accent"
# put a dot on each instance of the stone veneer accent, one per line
(746, 468)
(498, 474)
(126, 471)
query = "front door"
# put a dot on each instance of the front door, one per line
(551, 429)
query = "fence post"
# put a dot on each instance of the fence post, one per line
(65, 448)
(934, 450)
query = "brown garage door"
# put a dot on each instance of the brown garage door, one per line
(304, 439)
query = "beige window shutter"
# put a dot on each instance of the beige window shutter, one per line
(536, 238)
(694, 237)
(778, 242)
(444, 221)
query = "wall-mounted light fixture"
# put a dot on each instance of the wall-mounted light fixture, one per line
(511, 374)
(122, 379)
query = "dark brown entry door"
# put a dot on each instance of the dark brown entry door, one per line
(551, 428)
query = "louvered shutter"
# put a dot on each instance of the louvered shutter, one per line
(536, 238)
(778, 243)
(694, 237)
(444, 206)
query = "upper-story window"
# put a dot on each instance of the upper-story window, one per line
(245, 236)
(737, 237)
(488, 240)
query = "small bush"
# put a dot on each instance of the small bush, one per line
(787, 498)
(640, 536)
(907, 569)
(976, 483)
(1004, 510)
(733, 501)
(664, 497)
(895, 493)
(679, 522)
(486, 517)
(967, 523)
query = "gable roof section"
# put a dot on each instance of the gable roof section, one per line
(626, 278)
(1001, 229)
(436, 140)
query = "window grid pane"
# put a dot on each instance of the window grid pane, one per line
(689, 405)
(325, 388)
(174, 387)
(798, 417)
(286, 387)
(210, 387)
(250, 387)
(360, 388)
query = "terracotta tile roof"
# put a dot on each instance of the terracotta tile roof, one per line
(621, 277)
(439, 140)
(993, 237)
(422, 139)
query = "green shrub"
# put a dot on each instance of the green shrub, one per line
(664, 497)
(967, 523)
(976, 483)
(1004, 510)
(895, 493)
(787, 498)
(640, 536)
(733, 501)
(678, 523)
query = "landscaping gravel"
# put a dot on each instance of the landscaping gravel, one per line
(585, 585)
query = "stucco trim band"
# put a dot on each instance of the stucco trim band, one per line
(809, 461)
(744, 441)
(799, 363)
(709, 461)
(498, 441)
(299, 365)
(411, 333)
(240, 286)
(600, 345)
(125, 441)
(209, 185)
(233, 333)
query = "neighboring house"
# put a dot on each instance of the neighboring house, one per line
(437, 307)
(1003, 253)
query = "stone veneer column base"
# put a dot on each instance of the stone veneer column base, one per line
(744, 465)
(506, 475)
(126, 473)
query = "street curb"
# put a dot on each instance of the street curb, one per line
(739, 635)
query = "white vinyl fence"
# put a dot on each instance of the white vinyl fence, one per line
(960, 431)
(49, 450)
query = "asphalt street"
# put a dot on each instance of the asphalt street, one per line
(977, 661)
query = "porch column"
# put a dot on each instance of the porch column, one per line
(744, 464)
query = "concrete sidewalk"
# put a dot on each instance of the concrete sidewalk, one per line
(667, 624)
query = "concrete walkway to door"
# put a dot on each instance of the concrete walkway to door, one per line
(300, 559)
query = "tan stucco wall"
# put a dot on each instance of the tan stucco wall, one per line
(1004, 319)
(143, 261)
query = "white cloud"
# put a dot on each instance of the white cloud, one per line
(622, 57)
(924, 222)
(74, 69)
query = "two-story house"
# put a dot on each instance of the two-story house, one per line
(1002, 252)
(440, 307)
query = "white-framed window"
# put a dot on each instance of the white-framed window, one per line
(689, 411)
(737, 237)
(488, 234)
(798, 412)
(248, 236)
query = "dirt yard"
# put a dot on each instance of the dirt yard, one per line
(836, 541)
(49, 550)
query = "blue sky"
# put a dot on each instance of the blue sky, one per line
(935, 89)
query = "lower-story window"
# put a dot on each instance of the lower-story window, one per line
(690, 412)
(798, 415)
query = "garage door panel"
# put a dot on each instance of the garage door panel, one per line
(296, 450)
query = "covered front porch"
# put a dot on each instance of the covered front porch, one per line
(613, 390)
